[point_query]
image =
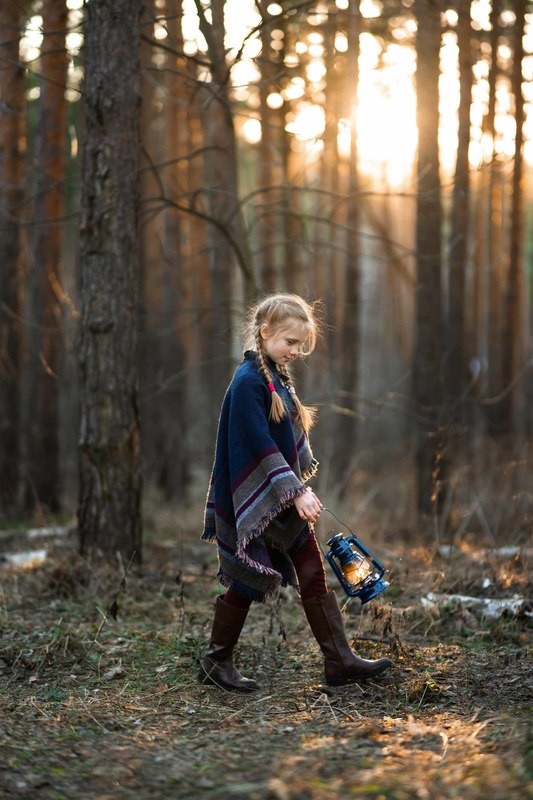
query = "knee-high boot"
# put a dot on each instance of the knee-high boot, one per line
(217, 665)
(341, 665)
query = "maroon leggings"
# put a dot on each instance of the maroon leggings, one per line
(309, 568)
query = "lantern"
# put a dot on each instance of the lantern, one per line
(358, 571)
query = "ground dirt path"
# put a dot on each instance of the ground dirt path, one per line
(93, 706)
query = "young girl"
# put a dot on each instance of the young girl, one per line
(259, 510)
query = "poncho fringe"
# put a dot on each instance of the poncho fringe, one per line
(285, 502)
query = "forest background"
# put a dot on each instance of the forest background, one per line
(375, 156)
(162, 165)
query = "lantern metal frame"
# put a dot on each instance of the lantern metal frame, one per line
(344, 550)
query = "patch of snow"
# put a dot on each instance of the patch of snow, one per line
(488, 607)
(26, 558)
(41, 533)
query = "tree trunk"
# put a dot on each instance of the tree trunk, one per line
(109, 512)
(456, 355)
(327, 260)
(513, 333)
(226, 242)
(174, 461)
(268, 154)
(11, 128)
(44, 324)
(494, 407)
(349, 334)
(150, 212)
(291, 224)
(428, 366)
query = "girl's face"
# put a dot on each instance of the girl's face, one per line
(285, 343)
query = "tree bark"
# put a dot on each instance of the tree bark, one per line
(11, 128)
(513, 333)
(456, 352)
(349, 334)
(268, 154)
(150, 213)
(226, 242)
(172, 429)
(495, 256)
(428, 366)
(109, 511)
(44, 279)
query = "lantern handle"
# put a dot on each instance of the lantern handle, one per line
(367, 552)
(344, 525)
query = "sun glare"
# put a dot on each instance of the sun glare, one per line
(251, 130)
(30, 43)
(385, 115)
(309, 122)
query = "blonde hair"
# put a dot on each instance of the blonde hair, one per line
(277, 311)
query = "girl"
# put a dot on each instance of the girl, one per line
(259, 510)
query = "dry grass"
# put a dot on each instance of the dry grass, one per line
(97, 707)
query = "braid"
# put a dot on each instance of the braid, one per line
(277, 409)
(306, 414)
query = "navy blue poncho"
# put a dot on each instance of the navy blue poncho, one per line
(260, 467)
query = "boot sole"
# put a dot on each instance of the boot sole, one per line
(207, 680)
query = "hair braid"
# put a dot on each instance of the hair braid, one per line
(306, 414)
(277, 409)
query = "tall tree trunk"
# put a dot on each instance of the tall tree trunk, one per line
(200, 407)
(496, 258)
(44, 324)
(456, 355)
(513, 333)
(327, 257)
(109, 511)
(327, 265)
(11, 127)
(150, 212)
(173, 472)
(291, 224)
(225, 239)
(268, 154)
(428, 366)
(349, 334)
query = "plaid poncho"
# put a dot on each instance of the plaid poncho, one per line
(260, 467)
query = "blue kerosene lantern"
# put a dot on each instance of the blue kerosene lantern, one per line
(359, 572)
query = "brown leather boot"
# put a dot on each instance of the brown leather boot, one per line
(341, 664)
(217, 665)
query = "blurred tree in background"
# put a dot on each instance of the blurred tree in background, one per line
(44, 264)
(12, 137)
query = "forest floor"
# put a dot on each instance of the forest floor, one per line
(100, 697)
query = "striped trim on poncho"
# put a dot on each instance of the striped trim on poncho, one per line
(260, 467)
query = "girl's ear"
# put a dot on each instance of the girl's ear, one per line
(264, 331)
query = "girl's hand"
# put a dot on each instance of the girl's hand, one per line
(308, 506)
